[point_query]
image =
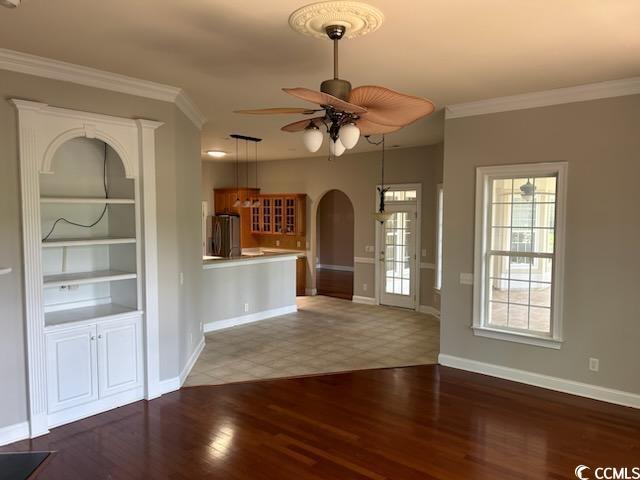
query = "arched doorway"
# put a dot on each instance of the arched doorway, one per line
(334, 245)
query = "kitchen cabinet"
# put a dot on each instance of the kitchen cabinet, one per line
(223, 200)
(301, 276)
(279, 214)
(87, 363)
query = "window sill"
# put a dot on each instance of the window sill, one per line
(517, 337)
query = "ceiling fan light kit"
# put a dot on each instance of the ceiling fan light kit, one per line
(348, 112)
(10, 3)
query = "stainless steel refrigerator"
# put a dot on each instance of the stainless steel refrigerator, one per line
(225, 236)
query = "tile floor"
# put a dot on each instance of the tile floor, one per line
(326, 335)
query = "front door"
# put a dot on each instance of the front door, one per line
(397, 257)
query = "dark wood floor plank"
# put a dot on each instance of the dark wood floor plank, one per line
(425, 422)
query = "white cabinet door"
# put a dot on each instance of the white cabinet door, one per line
(72, 376)
(119, 356)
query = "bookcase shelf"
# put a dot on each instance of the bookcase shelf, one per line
(87, 200)
(81, 242)
(80, 278)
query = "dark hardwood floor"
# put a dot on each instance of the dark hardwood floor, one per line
(407, 423)
(334, 283)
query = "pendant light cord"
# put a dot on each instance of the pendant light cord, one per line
(237, 174)
(246, 155)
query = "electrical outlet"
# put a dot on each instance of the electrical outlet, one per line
(246, 307)
(68, 288)
(594, 364)
(298, 243)
(277, 243)
(191, 339)
(201, 328)
(181, 278)
(424, 252)
(364, 287)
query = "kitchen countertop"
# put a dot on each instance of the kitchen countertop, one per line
(252, 256)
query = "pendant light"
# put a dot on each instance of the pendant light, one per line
(256, 202)
(247, 202)
(237, 203)
(382, 216)
(527, 190)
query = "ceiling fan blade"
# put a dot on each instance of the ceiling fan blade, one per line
(386, 107)
(322, 99)
(302, 124)
(277, 111)
(367, 127)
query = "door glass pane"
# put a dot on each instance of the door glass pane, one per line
(398, 254)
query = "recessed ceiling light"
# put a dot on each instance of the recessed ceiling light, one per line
(10, 3)
(216, 153)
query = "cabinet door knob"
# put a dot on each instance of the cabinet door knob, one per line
(93, 337)
(100, 336)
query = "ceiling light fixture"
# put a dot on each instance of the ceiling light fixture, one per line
(346, 113)
(10, 3)
(381, 216)
(216, 153)
(527, 190)
(247, 203)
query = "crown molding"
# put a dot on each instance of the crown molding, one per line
(579, 93)
(68, 72)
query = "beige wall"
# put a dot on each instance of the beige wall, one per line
(216, 175)
(334, 231)
(357, 174)
(601, 142)
(178, 167)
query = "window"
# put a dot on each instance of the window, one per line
(400, 195)
(519, 253)
(439, 216)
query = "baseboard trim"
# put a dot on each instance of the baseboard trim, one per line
(169, 385)
(339, 268)
(604, 394)
(69, 415)
(429, 310)
(191, 362)
(364, 300)
(14, 433)
(254, 317)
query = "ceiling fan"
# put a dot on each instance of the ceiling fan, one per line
(345, 112)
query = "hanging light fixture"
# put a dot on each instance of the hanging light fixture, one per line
(381, 216)
(237, 203)
(527, 190)
(247, 203)
(256, 202)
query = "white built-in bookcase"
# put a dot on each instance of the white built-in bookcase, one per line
(83, 284)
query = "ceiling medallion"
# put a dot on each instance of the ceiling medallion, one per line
(358, 18)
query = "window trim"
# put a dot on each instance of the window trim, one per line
(484, 175)
(437, 281)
